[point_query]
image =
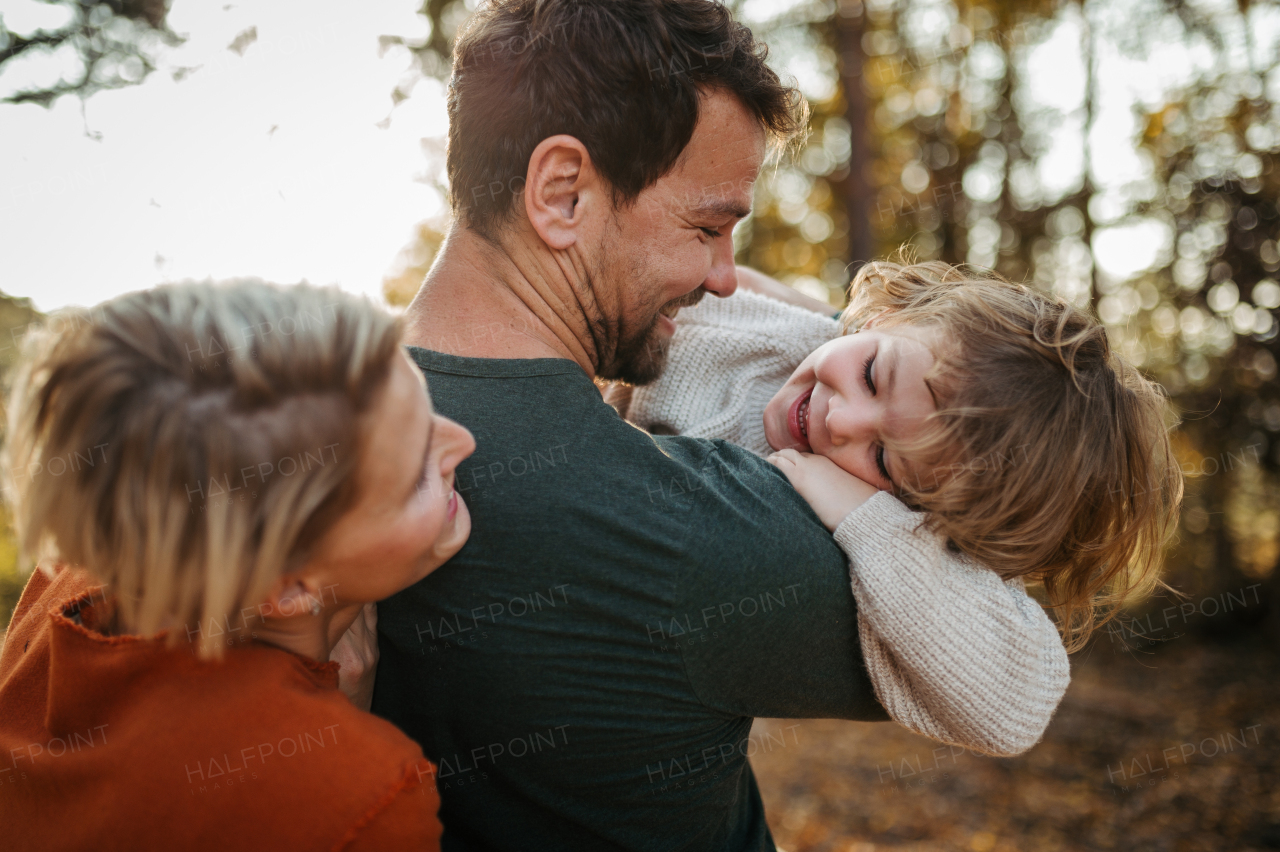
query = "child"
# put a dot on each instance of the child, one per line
(999, 412)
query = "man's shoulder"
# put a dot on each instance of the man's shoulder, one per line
(432, 361)
(580, 453)
(719, 460)
(711, 459)
(735, 493)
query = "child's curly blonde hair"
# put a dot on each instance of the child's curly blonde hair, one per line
(1049, 455)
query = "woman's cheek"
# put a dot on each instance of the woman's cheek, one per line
(431, 507)
(420, 532)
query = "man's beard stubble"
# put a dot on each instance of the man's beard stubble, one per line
(638, 359)
(635, 358)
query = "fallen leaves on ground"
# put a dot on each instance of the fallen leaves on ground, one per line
(1172, 749)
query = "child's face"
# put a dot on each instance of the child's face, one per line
(851, 394)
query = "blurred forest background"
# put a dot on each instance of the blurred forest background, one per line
(1122, 153)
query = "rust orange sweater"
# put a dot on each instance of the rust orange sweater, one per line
(120, 742)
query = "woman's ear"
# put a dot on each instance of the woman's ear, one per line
(560, 185)
(291, 596)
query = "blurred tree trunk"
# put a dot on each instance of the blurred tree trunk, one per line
(855, 190)
(1088, 51)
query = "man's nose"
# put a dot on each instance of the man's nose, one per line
(723, 277)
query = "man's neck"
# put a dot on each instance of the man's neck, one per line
(484, 301)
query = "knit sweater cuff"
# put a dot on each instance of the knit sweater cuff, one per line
(881, 516)
(953, 651)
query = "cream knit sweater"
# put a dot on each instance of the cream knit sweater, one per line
(953, 652)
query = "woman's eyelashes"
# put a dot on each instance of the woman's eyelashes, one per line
(866, 373)
(424, 478)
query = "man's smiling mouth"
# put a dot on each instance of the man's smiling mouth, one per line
(670, 309)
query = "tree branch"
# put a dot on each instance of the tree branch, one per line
(17, 45)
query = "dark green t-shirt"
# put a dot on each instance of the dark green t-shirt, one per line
(585, 671)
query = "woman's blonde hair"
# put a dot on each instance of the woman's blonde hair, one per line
(1049, 456)
(187, 444)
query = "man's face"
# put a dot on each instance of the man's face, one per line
(674, 244)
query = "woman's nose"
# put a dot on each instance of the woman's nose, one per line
(459, 441)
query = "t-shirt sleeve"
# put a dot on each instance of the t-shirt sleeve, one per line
(405, 819)
(766, 620)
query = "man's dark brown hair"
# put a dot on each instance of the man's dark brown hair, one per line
(621, 76)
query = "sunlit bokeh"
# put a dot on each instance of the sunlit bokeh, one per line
(1124, 154)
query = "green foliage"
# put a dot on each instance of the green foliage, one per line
(12, 579)
(1205, 322)
(956, 140)
(929, 134)
(113, 41)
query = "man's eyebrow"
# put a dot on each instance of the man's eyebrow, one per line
(720, 208)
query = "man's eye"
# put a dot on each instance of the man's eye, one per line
(711, 232)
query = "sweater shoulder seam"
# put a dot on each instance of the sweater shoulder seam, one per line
(378, 807)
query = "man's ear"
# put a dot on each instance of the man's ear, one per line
(560, 185)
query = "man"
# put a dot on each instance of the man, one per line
(585, 672)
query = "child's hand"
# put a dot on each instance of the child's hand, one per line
(831, 491)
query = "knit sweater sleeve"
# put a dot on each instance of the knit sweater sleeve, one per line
(954, 652)
(727, 359)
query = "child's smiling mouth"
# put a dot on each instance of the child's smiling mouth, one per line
(798, 418)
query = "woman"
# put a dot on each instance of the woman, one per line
(223, 476)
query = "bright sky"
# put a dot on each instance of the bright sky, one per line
(273, 163)
(270, 164)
